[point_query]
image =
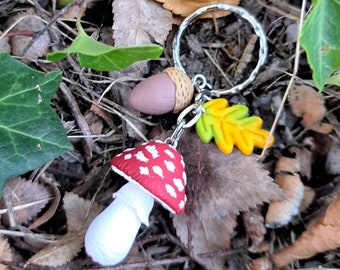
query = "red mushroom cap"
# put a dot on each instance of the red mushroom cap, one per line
(159, 169)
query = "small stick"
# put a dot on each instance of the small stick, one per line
(54, 19)
(291, 81)
(84, 127)
(246, 56)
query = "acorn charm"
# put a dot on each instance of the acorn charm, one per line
(169, 91)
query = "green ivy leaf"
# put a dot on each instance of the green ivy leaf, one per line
(320, 38)
(102, 57)
(31, 134)
(334, 80)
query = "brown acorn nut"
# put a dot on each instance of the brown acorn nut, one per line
(168, 91)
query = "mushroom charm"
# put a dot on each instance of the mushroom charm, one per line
(155, 170)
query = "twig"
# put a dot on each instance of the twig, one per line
(218, 66)
(72, 103)
(146, 264)
(54, 19)
(289, 15)
(246, 56)
(291, 81)
(26, 205)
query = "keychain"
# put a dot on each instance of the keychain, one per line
(155, 170)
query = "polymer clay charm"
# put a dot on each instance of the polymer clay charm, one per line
(154, 171)
(169, 91)
(230, 126)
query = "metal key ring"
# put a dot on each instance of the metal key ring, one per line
(263, 52)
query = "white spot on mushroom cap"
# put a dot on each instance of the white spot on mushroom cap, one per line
(181, 204)
(182, 162)
(158, 170)
(169, 153)
(152, 150)
(141, 157)
(127, 156)
(170, 165)
(178, 183)
(171, 190)
(184, 177)
(143, 170)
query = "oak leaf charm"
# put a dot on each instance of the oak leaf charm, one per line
(231, 126)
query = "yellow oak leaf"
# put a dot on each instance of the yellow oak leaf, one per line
(231, 126)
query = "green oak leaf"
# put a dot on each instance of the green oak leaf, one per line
(102, 57)
(320, 38)
(31, 134)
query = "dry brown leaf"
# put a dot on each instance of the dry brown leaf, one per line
(219, 187)
(140, 22)
(310, 105)
(203, 238)
(6, 253)
(323, 236)
(286, 176)
(4, 44)
(227, 184)
(48, 214)
(254, 224)
(79, 214)
(94, 121)
(305, 158)
(186, 7)
(333, 159)
(73, 12)
(308, 198)
(23, 201)
(24, 31)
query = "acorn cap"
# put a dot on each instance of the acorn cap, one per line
(184, 88)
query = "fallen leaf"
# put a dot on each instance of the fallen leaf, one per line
(94, 121)
(205, 239)
(25, 200)
(322, 236)
(186, 7)
(333, 159)
(253, 221)
(219, 187)
(140, 22)
(79, 214)
(25, 30)
(280, 213)
(4, 44)
(305, 157)
(308, 198)
(48, 214)
(7, 254)
(310, 105)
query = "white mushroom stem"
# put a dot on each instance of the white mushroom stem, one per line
(112, 233)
